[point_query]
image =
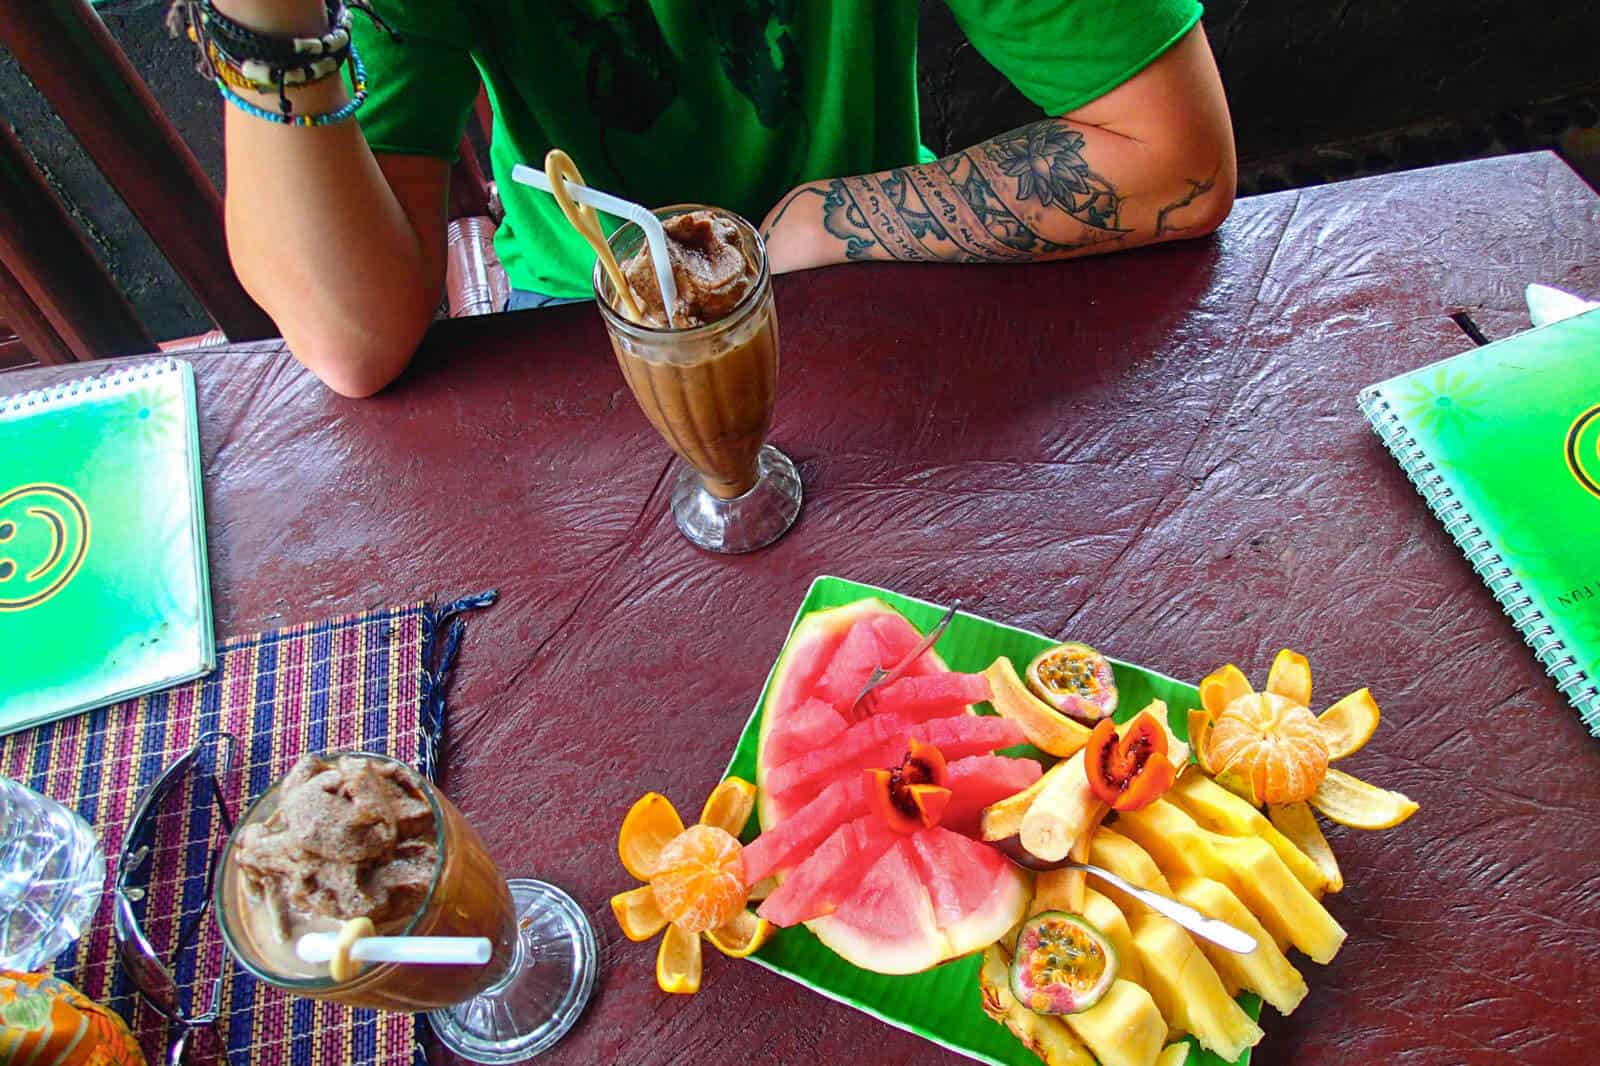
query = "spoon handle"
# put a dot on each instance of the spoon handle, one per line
(1218, 932)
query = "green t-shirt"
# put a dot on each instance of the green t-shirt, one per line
(726, 102)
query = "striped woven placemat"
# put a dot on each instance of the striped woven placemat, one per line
(372, 681)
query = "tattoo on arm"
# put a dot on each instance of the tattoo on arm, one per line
(978, 205)
(1196, 190)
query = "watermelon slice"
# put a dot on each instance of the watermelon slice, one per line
(806, 728)
(796, 836)
(852, 664)
(969, 734)
(867, 743)
(979, 780)
(971, 885)
(899, 638)
(887, 924)
(929, 696)
(831, 873)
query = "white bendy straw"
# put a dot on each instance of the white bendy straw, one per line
(646, 220)
(421, 950)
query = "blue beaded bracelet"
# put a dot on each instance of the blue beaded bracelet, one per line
(358, 75)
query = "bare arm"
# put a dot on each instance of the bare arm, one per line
(1152, 160)
(343, 249)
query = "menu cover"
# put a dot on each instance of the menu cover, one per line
(104, 589)
(1504, 444)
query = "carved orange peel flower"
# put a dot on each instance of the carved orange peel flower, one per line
(694, 882)
(1268, 747)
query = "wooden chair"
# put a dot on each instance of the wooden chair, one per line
(58, 303)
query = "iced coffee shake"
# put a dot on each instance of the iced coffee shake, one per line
(361, 836)
(705, 371)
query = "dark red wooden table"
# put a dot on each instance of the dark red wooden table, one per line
(1157, 452)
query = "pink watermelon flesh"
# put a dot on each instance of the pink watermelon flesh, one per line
(792, 839)
(899, 637)
(960, 874)
(929, 696)
(968, 734)
(810, 660)
(817, 885)
(858, 655)
(887, 901)
(979, 780)
(806, 728)
(861, 745)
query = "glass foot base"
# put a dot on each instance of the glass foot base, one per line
(743, 523)
(545, 992)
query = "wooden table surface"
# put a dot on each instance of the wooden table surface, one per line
(1156, 452)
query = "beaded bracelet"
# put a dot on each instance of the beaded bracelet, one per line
(256, 76)
(358, 76)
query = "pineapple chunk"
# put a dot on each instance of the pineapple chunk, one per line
(1045, 1035)
(1217, 809)
(1123, 1029)
(1247, 865)
(1187, 990)
(1266, 971)
(1107, 917)
(1173, 1055)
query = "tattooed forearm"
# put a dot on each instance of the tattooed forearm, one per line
(993, 202)
(1196, 190)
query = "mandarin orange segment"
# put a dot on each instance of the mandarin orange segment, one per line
(741, 937)
(1222, 686)
(729, 805)
(637, 913)
(1290, 677)
(1267, 749)
(699, 879)
(678, 962)
(650, 823)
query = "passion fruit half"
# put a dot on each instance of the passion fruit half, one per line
(1074, 679)
(1063, 964)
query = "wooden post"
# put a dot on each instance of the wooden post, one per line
(63, 47)
(56, 294)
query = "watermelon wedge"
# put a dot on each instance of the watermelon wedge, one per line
(979, 780)
(884, 901)
(808, 727)
(772, 851)
(929, 695)
(830, 874)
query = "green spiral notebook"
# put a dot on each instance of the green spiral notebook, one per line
(1504, 444)
(104, 590)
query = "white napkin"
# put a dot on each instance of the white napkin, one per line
(1546, 305)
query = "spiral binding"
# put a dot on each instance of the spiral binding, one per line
(39, 399)
(1571, 679)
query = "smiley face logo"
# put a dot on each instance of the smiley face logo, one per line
(44, 535)
(1583, 449)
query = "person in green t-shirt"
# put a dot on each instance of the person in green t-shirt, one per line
(800, 113)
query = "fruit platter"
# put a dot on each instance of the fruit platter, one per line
(915, 852)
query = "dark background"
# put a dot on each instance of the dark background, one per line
(1319, 92)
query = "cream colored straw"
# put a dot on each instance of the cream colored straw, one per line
(560, 178)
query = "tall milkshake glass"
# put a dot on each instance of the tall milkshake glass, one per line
(709, 390)
(543, 956)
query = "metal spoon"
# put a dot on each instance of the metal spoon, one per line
(1218, 932)
(880, 676)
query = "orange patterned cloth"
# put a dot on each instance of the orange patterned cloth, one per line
(46, 1022)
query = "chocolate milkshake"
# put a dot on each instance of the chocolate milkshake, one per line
(705, 372)
(351, 836)
(709, 392)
